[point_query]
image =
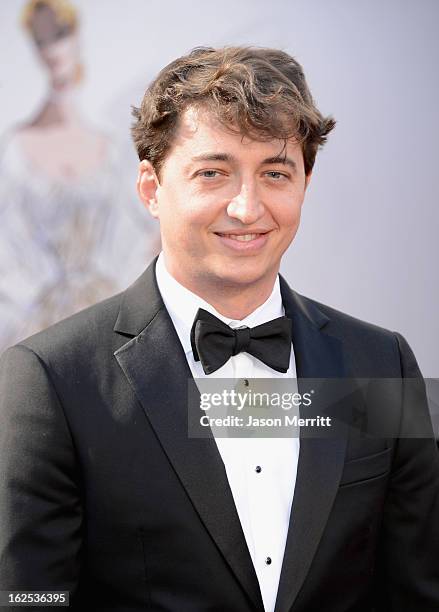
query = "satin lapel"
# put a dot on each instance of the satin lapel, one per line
(155, 365)
(321, 460)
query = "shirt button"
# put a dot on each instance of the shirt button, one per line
(246, 383)
(258, 469)
(268, 561)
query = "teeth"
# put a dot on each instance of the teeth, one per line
(242, 237)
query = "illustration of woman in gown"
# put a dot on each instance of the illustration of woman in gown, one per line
(65, 239)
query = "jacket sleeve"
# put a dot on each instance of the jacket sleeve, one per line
(40, 498)
(410, 529)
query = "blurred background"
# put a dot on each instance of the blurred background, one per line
(71, 228)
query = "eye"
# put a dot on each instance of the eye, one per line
(209, 174)
(61, 32)
(277, 176)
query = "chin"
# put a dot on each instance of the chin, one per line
(240, 274)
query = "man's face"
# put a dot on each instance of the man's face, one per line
(228, 206)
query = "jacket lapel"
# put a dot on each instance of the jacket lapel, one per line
(318, 355)
(155, 365)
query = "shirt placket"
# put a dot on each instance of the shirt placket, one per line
(259, 485)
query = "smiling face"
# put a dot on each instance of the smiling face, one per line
(228, 206)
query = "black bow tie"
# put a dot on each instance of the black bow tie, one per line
(213, 342)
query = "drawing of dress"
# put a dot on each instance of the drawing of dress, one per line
(64, 244)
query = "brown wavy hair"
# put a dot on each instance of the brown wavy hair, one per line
(260, 93)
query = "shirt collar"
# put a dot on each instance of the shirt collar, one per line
(182, 305)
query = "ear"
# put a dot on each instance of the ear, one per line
(308, 179)
(147, 186)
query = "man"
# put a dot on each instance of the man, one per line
(104, 494)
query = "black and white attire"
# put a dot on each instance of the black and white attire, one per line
(103, 493)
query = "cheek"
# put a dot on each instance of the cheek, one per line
(68, 53)
(178, 223)
(45, 56)
(186, 212)
(287, 213)
(62, 54)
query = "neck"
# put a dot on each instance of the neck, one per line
(60, 108)
(238, 304)
(231, 300)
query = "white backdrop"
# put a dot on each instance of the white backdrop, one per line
(368, 241)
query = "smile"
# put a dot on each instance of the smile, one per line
(241, 237)
(246, 244)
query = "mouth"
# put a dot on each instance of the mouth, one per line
(247, 243)
(242, 237)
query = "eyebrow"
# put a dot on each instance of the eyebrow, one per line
(214, 157)
(284, 160)
(225, 157)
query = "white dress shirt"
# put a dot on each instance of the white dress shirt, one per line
(262, 497)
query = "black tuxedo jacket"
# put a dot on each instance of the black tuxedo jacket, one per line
(103, 494)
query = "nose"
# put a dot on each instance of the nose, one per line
(49, 54)
(246, 206)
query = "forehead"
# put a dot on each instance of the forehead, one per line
(45, 23)
(43, 20)
(200, 131)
